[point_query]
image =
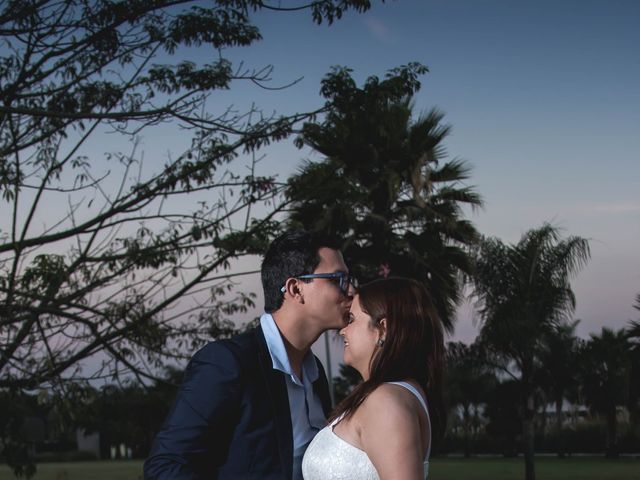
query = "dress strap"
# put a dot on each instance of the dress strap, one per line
(415, 391)
(422, 401)
(335, 421)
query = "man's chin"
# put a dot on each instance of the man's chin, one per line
(340, 324)
(334, 323)
(334, 328)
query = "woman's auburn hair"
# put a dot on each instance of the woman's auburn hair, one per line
(413, 348)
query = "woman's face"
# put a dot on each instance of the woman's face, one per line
(360, 339)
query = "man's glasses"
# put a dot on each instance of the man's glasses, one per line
(343, 280)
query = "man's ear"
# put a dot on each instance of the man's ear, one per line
(293, 288)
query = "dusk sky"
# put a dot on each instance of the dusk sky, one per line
(544, 101)
(543, 98)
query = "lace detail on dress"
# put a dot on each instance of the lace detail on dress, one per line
(329, 457)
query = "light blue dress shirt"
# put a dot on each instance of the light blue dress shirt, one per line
(307, 417)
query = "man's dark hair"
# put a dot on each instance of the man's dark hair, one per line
(291, 254)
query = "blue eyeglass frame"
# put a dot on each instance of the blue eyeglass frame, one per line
(345, 279)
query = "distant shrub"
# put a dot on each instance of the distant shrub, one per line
(72, 456)
(587, 437)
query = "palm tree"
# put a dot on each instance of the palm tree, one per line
(384, 185)
(503, 415)
(633, 334)
(523, 293)
(557, 372)
(606, 368)
(469, 381)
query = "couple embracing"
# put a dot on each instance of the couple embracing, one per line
(255, 406)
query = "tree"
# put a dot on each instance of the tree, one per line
(469, 382)
(606, 368)
(557, 372)
(504, 415)
(345, 381)
(383, 185)
(135, 267)
(15, 408)
(523, 294)
(633, 335)
(106, 274)
(129, 414)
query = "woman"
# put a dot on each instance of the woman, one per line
(383, 429)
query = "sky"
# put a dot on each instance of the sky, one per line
(544, 102)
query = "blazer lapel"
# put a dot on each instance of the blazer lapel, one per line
(321, 388)
(276, 389)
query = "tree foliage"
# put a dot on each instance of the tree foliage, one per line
(346, 380)
(633, 334)
(129, 413)
(116, 258)
(384, 186)
(469, 383)
(504, 414)
(556, 376)
(15, 408)
(605, 379)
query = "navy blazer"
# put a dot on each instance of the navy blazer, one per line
(231, 417)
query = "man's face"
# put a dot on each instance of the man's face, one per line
(325, 303)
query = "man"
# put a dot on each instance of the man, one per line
(249, 406)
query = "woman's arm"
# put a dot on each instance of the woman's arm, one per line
(391, 434)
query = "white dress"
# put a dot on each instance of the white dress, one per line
(329, 457)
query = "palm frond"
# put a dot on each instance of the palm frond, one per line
(454, 170)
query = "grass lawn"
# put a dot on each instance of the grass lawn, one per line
(441, 469)
(96, 470)
(547, 468)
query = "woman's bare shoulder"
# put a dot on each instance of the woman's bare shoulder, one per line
(391, 434)
(388, 402)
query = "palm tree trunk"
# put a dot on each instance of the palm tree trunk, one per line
(540, 423)
(466, 422)
(476, 421)
(559, 433)
(529, 439)
(612, 434)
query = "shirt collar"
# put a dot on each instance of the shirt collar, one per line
(278, 352)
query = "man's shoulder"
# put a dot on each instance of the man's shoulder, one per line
(246, 341)
(241, 346)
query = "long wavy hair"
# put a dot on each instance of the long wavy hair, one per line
(413, 347)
